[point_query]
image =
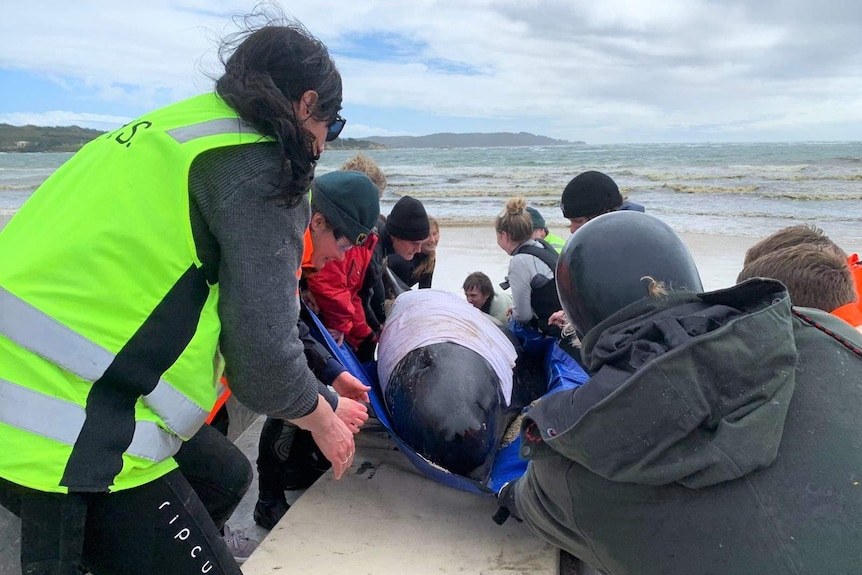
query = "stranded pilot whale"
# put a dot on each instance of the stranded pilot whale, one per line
(445, 372)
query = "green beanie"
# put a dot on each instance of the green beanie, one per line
(349, 201)
(536, 216)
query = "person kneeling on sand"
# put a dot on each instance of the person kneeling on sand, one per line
(480, 293)
(718, 431)
(406, 229)
(531, 275)
(811, 235)
(541, 231)
(344, 208)
(815, 276)
(338, 291)
(420, 269)
(591, 194)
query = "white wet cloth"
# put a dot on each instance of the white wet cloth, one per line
(423, 317)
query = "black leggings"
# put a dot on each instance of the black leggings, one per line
(161, 527)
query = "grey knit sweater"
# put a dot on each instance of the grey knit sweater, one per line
(252, 245)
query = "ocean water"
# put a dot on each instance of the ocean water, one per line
(723, 189)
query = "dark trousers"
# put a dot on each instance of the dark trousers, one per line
(287, 458)
(274, 446)
(167, 526)
(217, 470)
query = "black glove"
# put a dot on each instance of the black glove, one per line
(366, 348)
(506, 502)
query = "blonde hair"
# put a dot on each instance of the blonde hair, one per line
(655, 289)
(362, 163)
(515, 220)
(427, 266)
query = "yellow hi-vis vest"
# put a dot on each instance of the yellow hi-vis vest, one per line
(108, 327)
(556, 242)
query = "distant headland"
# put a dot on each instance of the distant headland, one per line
(71, 138)
(470, 140)
(44, 139)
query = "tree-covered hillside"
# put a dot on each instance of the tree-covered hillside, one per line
(71, 138)
(44, 139)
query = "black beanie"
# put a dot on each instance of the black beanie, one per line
(349, 201)
(590, 194)
(408, 220)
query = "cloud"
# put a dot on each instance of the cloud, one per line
(363, 131)
(619, 70)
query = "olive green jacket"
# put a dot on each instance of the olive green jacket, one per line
(719, 434)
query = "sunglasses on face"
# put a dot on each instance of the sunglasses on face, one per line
(344, 243)
(335, 127)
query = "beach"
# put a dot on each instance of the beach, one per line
(466, 249)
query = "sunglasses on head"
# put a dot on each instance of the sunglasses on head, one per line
(335, 127)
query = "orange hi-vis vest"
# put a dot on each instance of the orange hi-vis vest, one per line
(308, 250)
(852, 312)
(856, 270)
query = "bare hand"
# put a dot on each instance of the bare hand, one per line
(335, 440)
(331, 435)
(309, 300)
(559, 319)
(336, 335)
(352, 413)
(346, 385)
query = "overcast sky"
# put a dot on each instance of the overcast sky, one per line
(614, 71)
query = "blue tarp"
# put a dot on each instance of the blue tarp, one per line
(563, 373)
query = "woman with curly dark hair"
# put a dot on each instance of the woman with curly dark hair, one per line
(177, 233)
(282, 82)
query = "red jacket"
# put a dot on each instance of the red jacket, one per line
(336, 291)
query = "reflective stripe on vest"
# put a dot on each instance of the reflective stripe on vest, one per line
(211, 128)
(121, 383)
(25, 409)
(41, 334)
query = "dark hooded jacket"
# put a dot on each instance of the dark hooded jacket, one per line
(719, 434)
(373, 291)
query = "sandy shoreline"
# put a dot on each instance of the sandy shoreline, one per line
(466, 248)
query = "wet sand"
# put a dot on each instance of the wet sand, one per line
(466, 249)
